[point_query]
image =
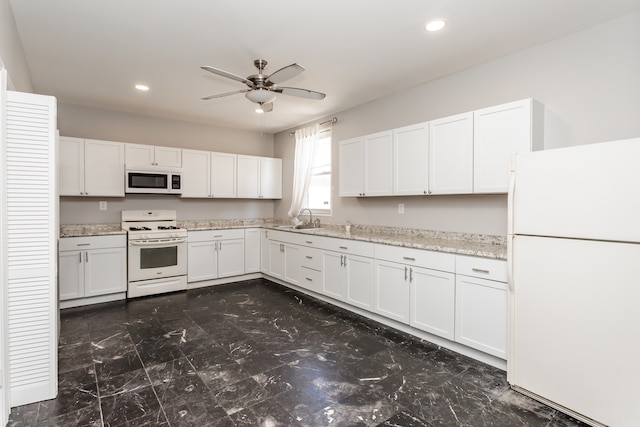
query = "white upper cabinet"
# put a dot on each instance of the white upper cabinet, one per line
(378, 154)
(410, 160)
(270, 178)
(89, 167)
(206, 174)
(223, 175)
(461, 154)
(351, 167)
(451, 155)
(196, 173)
(515, 127)
(365, 165)
(248, 176)
(259, 177)
(138, 155)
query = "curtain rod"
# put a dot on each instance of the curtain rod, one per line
(332, 121)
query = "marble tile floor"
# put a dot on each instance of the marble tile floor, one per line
(255, 353)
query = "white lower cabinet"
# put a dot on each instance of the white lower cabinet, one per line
(349, 278)
(213, 254)
(393, 290)
(481, 305)
(284, 261)
(433, 301)
(252, 250)
(92, 266)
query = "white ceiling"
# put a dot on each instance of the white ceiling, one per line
(93, 52)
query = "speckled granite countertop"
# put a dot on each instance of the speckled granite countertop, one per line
(485, 246)
(83, 230)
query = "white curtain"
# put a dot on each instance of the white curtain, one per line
(306, 147)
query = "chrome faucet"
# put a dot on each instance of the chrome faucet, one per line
(310, 216)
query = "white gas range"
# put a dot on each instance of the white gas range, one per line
(157, 252)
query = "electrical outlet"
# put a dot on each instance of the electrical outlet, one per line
(400, 208)
(102, 206)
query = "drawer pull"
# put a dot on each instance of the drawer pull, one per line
(480, 270)
(218, 235)
(343, 247)
(308, 257)
(310, 280)
(408, 258)
(308, 242)
(83, 244)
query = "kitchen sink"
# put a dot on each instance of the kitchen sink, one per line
(299, 227)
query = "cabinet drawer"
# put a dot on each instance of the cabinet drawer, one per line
(208, 235)
(352, 247)
(484, 268)
(311, 279)
(418, 257)
(93, 242)
(311, 258)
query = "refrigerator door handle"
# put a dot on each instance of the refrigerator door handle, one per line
(511, 194)
(510, 238)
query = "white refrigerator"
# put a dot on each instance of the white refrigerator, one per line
(574, 280)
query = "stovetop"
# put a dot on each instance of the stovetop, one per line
(158, 223)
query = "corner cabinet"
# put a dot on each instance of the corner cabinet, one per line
(89, 167)
(259, 177)
(92, 267)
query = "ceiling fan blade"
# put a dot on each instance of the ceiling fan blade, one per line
(285, 73)
(220, 95)
(228, 75)
(302, 93)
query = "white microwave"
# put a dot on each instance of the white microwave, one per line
(153, 182)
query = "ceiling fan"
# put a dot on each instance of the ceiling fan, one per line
(263, 88)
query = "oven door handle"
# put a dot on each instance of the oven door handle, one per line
(157, 242)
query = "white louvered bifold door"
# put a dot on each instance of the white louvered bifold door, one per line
(31, 236)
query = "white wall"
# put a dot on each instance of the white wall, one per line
(11, 53)
(588, 82)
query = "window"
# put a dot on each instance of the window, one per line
(318, 197)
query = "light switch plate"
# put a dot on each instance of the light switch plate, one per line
(400, 208)
(103, 206)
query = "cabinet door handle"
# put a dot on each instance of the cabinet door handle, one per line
(86, 257)
(410, 275)
(345, 260)
(408, 258)
(405, 273)
(80, 259)
(220, 245)
(480, 270)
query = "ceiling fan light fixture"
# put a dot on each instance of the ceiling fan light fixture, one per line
(435, 25)
(141, 87)
(259, 109)
(263, 96)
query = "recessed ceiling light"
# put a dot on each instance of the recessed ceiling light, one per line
(141, 87)
(435, 25)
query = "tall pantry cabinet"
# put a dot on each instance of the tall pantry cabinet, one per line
(29, 238)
